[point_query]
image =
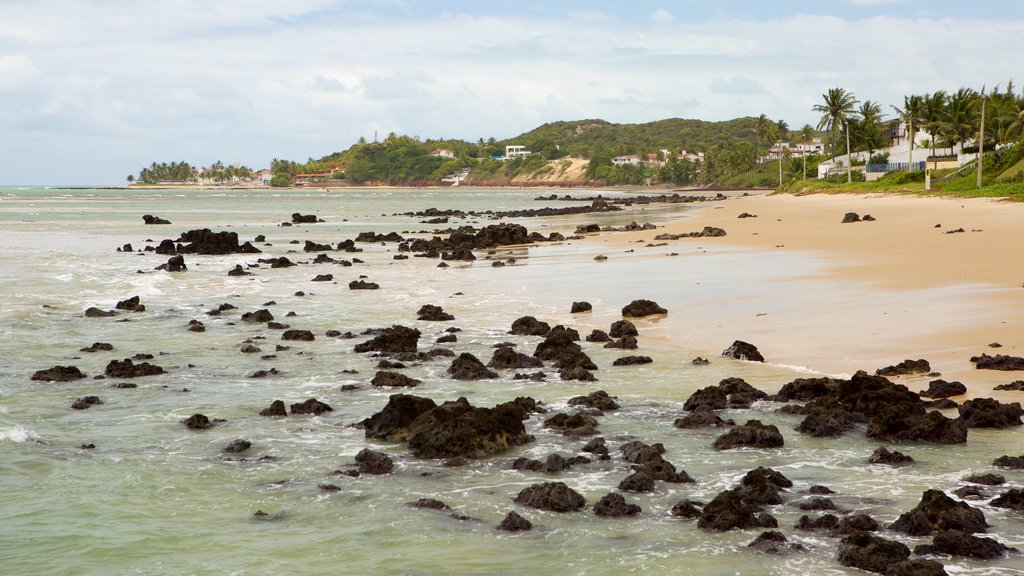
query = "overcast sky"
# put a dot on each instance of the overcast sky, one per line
(91, 91)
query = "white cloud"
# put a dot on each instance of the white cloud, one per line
(662, 16)
(110, 87)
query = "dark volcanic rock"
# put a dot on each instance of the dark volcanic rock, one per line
(206, 242)
(1015, 386)
(598, 399)
(93, 312)
(393, 379)
(998, 362)
(59, 374)
(530, 326)
(882, 455)
(936, 511)
(303, 218)
(851, 217)
(578, 424)
(804, 389)
(433, 313)
(363, 285)
(553, 496)
(986, 479)
(827, 522)
(727, 511)
(624, 343)
(622, 328)
(598, 336)
(236, 446)
(943, 389)
(957, 543)
(710, 398)
(613, 505)
(989, 413)
(298, 335)
(506, 358)
(741, 350)
(86, 402)
(632, 361)
(393, 421)
(637, 482)
(1012, 462)
(127, 369)
(469, 367)
(702, 419)
(197, 422)
(428, 504)
(1012, 499)
(580, 307)
(311, 406)
(457, 429)
(641, 308)
(872, 553)
(686, 509)
(906, 367)
(132, 304)
(373, 462)
(753, 434)
(394, 340)
(826, 417)
(762, 486)
(917, 566)
(154, 220)
(276, 408)
(258, 317)
(774, 542)
(514, 523)
(97, 347)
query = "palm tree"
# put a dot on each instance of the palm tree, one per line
(960, 116)
(1016, 128)
(869, 127)
(934, 110)
(806, 135)
(837, 108)
(912, 115)
(763, 126)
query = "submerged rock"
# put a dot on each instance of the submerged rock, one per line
(58, 374)
(741, 350)
(641, 308)
(459, 429)
(936, 511)
(753, 434)
(553, 496)
(613, 505)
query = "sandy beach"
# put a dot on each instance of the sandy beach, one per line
(894, 288)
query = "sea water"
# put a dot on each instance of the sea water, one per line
(153, 497)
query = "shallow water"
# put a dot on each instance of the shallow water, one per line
(156, 498)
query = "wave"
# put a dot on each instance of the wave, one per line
(18, 434)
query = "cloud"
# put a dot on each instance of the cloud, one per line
(106, 88)
(662, 16)
(737, 85)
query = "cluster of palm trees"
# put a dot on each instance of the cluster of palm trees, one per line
(949, 118)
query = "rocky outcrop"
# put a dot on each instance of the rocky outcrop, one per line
(258, 317)
(989, 413)
(298, 335)
(58, 374)
(1012, 462)
(506, 358)
(394, 340)
(957, 543)
(392, 422)
(304, 218)
(132, 304)
(728, 511)
(578, 424)
(775, 542)
(904, 368)
(1012, 499)
(430, 312)
(127, 369)
(641, 308)
(872, 553)
(458, 429)
(553, 496)
(198, 422)
(373, 462)
(741, 350)
(998, 362)
(804, 389)
(613, 505)
(942, 389)
(363, 285)
(580, 307)
(515, 523)
(598, 400)
(530, 326)
(753, 434)
(276, 408)
(151, 220)
(206, 242)
(702, 419)
(882, 455)
(311, 406)
(936, 511)
(622, 328)
(469, 367)
(384, 378)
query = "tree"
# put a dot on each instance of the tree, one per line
(934, 111)
(870, 135)
(281, 180)
(912, 115)
(960, 116)
(837, 108)
(131, 178)
(763, 128)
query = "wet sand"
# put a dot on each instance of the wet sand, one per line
(895, 288)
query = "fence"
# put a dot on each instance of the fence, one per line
(896, 167)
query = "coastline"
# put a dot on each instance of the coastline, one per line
(891, 289)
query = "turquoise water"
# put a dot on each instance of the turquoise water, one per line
(156, 498)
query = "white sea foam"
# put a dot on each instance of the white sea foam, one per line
(18, 434)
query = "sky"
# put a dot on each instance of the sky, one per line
(91, 91)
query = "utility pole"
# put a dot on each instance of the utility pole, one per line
(981, 139)
(780, 164)
(849, 166)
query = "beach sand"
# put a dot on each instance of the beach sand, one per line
(887, 290)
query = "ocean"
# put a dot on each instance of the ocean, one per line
(153, 497)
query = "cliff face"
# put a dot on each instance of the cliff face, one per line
(565, 171)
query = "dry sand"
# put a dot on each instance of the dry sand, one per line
(886, 290)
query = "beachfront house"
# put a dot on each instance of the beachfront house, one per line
(516, 151)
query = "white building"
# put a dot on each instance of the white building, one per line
(516, 151)
(442, 153)
(629, 159)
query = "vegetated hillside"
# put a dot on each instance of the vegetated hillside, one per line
(582, 137)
